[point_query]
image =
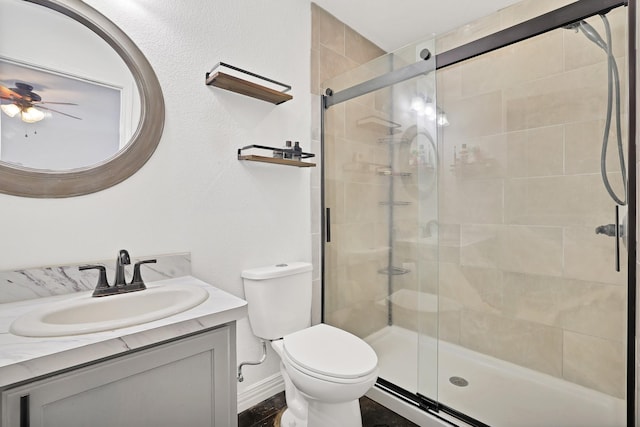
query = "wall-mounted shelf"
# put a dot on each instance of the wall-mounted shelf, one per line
(379, 124)
(395, 203)
(234, 79)
(393, 271)
(275, 160)
(391, 172)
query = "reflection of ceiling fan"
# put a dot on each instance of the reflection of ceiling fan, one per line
(23, 101)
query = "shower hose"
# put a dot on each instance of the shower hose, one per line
(613, 95)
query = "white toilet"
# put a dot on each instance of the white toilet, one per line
(325, 369)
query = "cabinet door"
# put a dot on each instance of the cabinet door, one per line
(188, 382)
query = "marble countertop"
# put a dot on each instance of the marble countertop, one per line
(23, 358)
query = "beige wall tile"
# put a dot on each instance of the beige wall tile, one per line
(525, 343)
(335, 122)
(471, 287)
(428, 277)
(362, 202)
(358, 243)
(359, 48)
(333, 64)
(559, 200)
(533, 298)
(449, 326)
(449, 84)
(472, 117)
(316, 88)
(532, 59)
(479, 245)
(595, 363)
(595, 309)
(589, 308)
(583, 145)
(536, 152)
(472, 201)
(577, 95)
(362, 320)
(529, 249)
(330, 30)
(589, 256)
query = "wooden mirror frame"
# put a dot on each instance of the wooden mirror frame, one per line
(28, 182)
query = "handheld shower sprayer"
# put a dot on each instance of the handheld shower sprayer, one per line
(589, 32)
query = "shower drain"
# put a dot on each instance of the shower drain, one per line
(458, 381)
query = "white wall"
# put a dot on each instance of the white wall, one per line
(193, 195)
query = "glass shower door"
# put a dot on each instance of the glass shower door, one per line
(467, 238)
(379, 150)
(532, 310)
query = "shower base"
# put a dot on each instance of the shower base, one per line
(496, 392)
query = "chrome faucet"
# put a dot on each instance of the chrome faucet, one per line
(122, 260)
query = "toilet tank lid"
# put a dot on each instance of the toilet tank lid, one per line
(277, 270)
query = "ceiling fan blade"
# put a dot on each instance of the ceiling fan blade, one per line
(59, 112)
(7, 93)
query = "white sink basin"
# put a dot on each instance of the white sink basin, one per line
(86, 314)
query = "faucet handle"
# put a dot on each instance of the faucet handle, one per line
(102, 277)
(137, 277)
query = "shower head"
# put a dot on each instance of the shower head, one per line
(588, 31)
(592, 35)
(573, 26)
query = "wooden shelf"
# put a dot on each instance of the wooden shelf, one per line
(275, 160)
(221, 77)
(287, 162)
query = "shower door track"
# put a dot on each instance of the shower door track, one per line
(541, 24)
(558, 18)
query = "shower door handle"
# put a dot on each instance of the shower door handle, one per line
(613, 230)
(327, 226)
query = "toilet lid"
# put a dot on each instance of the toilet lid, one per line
(330, 351)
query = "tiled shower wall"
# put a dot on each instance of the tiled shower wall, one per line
(335, 49)
(527, 279)
(536, 285)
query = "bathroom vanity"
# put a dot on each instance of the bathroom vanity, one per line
(179, 370)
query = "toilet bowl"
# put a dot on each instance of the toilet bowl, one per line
(325, 369)
(330, 370)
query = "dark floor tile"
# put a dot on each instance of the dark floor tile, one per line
(373, 414)
(262, 414)
(376, 415)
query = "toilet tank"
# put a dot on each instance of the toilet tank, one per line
(279, 298)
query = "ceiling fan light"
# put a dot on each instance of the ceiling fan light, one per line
(10, 109)
(31, 115)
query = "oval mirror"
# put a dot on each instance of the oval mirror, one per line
(81, 109)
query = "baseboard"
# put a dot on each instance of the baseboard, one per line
(260, 391)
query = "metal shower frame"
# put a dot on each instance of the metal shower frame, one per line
(558, 18)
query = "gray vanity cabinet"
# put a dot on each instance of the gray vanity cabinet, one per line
(186, 382)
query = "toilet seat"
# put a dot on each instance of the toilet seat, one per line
(330, 353)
